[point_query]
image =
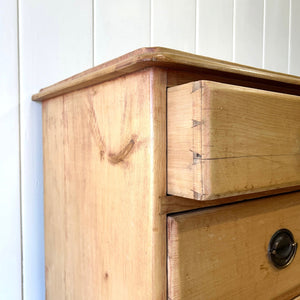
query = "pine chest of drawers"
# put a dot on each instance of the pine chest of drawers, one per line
(148, 162)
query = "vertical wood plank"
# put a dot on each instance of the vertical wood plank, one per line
(10, 239)
(105, 237)
(215, 28)
(295, 38)
(120, 27)
(55, 42)
(276, 35)
(174, 24)
(249, 15)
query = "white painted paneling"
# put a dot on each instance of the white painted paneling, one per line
(215, 28)
(10, 224)
(248, 39)
(59, 38)
(295, 38)
(173, 24)
(55, 42)
(276, 35)
(120, 27)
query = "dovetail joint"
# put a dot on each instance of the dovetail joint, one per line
(196, 158)
(197, 196)
(196, 123)
(196, 86)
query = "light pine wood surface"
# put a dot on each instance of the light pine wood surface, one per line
(292, 294)
(104, 158)
(168, 58)
(105, 164)
(226, 140)
(221, 253)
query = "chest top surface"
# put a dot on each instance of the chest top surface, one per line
(172, 60)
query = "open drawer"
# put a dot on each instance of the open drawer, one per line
(226, 140)
(225, 252)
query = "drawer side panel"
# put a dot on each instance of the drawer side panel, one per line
(184, 140)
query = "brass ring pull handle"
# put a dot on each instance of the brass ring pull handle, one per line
(282, 248)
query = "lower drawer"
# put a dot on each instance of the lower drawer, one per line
(223, 252)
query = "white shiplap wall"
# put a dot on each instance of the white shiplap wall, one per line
(46, 41)
(119, 27)
(10, 232)
(215, 19)
(173, 24)
(248, 32)
(55, 39)
(294, 49)
(276, 43)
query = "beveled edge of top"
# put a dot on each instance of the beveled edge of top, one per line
(160, 57)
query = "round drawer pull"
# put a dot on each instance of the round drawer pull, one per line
(282, 248)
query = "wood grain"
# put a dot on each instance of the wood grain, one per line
(221, 253)
(225, 140)
(289, 295)
(103, 150)
(163, 57)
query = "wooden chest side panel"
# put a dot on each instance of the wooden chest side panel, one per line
(103, 151)
(221, 253)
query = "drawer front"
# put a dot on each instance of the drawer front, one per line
(222, 252)
(226, 140)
